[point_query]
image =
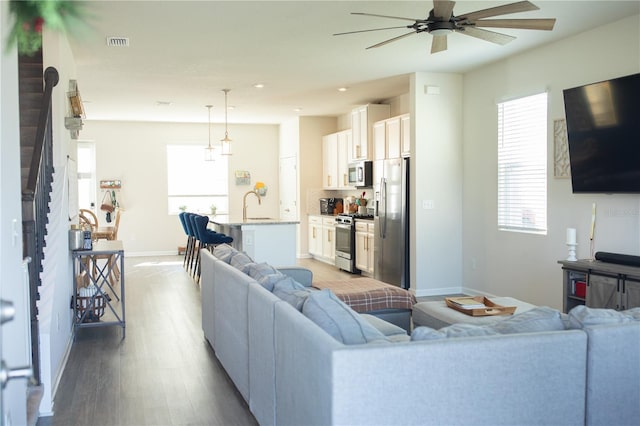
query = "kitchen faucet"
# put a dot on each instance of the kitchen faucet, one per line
(244, 203)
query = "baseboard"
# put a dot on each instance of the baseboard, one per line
(151, 253)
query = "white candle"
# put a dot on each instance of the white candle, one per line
(593, 221)
(571, 235)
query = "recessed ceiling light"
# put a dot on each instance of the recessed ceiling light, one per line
(258, 85)
(297, 109)
(342, 89)
(163, 103)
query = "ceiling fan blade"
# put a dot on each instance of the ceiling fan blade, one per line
(486, 35)
(443, 9)
(439, 43)
(391, 40)
(521, 6)
(387, 16)
(365, 31)
(527, 24)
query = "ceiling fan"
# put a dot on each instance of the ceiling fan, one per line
(441, 22)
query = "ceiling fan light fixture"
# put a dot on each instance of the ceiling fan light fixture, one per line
(440, 28)
(208, 151)
(226, 141)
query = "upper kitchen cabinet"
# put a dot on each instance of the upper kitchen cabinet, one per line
(335, 160)
(362, 120)
(392, 137)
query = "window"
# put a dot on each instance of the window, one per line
(522, 164)
(194, 184)
(86, 175)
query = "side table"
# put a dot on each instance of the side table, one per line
(88, 267)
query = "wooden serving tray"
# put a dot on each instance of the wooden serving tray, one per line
(489, 309)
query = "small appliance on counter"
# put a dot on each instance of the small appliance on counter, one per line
(331, 205)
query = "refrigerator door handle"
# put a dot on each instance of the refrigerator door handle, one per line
(383, 196)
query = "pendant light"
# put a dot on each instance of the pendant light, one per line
(208, 151)
(226, 142)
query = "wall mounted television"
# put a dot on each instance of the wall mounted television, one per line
(603, 131)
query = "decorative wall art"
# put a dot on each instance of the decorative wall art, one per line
(243, 177)
(561, 168)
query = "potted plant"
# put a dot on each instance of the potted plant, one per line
(213, 209)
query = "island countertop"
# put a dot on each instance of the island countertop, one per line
(237, 221)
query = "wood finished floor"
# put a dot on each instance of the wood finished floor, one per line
(163, 372)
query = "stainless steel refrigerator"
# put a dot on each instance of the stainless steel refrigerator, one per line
(391, 243)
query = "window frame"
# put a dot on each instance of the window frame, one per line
(522, 183)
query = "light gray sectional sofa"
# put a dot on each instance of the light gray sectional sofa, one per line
(294, 371)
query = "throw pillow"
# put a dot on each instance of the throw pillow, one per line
(291, 292)
(584, 316)
(265, 274)
(541, 318)
(224, 252)
(241, 261)
(339, 320)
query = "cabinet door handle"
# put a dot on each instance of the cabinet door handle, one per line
(314, 232)
(344, 179)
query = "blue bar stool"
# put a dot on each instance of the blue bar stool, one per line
(189, 247)
(207, 239)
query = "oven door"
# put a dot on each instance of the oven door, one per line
(344, 240)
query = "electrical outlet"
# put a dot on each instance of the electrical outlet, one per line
(428, 204)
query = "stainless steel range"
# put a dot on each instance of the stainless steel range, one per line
(346, 241)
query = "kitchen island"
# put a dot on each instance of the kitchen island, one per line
(268, 240)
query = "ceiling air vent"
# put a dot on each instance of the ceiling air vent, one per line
(118, 41)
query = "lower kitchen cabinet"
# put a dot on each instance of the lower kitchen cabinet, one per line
(322, 238)
(600, 285)
(364, 246)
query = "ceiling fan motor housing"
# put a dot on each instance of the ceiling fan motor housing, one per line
(441, 27)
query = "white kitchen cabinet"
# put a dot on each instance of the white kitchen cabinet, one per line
(330, 161)
(365, 246)
(335, 160)
(405, 135)
(329, 239)
(322, 238)
(343, 151)
(392, 137)
(362, 120)
(315, 236)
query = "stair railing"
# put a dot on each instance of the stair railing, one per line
(35, 207)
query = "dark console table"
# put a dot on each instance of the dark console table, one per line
(599, 285)
(102, 269)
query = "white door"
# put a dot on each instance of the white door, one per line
(14, 341)
(288, 188)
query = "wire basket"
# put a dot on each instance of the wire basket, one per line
(94, 309)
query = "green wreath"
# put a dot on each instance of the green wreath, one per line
(30, 17)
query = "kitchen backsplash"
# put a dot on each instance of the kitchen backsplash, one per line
(314, 195)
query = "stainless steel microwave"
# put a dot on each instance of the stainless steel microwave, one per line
(361, 174)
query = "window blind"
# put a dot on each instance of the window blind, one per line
(522, 164)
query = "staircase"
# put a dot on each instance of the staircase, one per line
(36, 160)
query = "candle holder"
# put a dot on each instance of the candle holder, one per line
(572, 251)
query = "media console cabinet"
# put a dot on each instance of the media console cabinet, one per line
(599, 284)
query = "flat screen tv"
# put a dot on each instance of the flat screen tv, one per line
(603, 131)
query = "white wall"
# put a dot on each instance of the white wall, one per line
(54, 315)
(14, 341)
(524, 265)
(135, 153)
(436, 176)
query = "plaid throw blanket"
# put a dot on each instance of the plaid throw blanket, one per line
(367, 294)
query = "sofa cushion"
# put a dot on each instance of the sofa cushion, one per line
(541, 318)
(265, 274)
(454, 330)
(532, 321)
(291, 291)
(584, 316)
(224, 252)
(339, 320)
(241, 261)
